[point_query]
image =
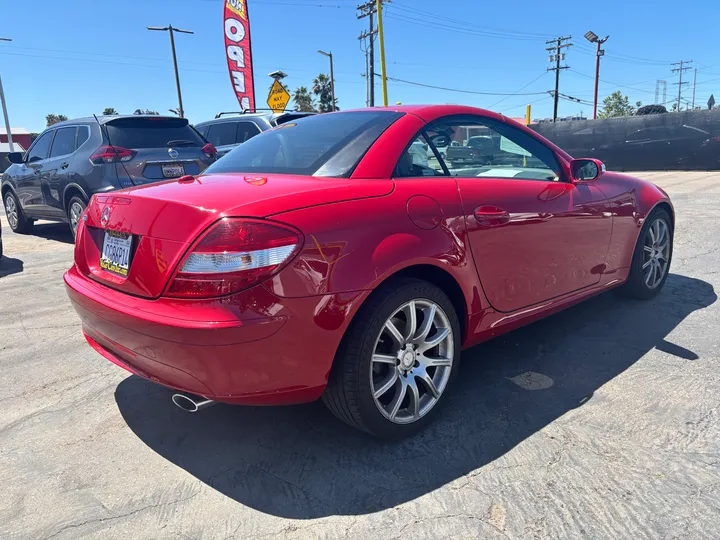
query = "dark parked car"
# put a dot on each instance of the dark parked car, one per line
(72, 160)
(226, 132)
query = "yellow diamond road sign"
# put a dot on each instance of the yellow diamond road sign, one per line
(278, 97)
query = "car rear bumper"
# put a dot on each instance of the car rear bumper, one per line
(251, 348)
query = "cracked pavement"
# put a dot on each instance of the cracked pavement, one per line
(600, 422)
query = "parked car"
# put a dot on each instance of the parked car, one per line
(1, 244)
(320, 261)
(229, 130)
(72, 160)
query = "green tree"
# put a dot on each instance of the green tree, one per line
(145, 111)
(322, 89)
(617, 104)
(651, 109)
(109, 111)
(303, 100)
(53, 119)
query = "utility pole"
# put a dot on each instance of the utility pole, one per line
(660, 88)
(557, 55)
(592, 37)
(683, 67)
(4, 108)
(172, 30)
(694, 85)
(368, 10)
(332, 77)
(381, 36)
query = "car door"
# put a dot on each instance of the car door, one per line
(246, 130)
(28, 182)
(55, 172)
(534, 235)
(223, 136)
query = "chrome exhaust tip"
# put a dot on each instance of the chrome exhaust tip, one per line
(191, 404)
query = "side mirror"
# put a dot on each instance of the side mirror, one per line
(15, 157)
(586, 169)
(440, 141)
(33, 159)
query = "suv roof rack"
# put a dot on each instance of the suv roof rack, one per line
(246, 111)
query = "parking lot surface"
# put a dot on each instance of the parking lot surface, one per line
(600, 422)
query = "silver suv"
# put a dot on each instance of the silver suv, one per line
(230, 129)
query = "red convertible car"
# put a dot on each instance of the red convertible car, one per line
(325, 259)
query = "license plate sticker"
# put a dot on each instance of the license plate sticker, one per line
(173, 170)
(116, 252)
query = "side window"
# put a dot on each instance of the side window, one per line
(222, 134)
(418, 160)
(203, 130)
(246, 130)
(64, 142)
(41, 148)
(483, 147)
(83, 135)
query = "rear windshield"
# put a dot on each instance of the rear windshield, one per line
(158, 132)
(321, 145)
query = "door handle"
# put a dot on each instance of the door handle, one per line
(491, 216)
(64, 165)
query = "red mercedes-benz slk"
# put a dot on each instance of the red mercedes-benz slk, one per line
(343, 257)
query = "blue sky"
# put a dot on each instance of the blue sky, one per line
(79, 60)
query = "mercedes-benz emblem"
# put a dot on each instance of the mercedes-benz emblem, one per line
(173, 153)
(105, 216)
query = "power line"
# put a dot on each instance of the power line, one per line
(518, 90)
(394, 79)
(680, 82)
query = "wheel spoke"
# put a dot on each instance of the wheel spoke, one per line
(650, 274)
(438, 338)
(430, 384)
(651, 231)
(411, 318)
(397, 400)
(437, 362)
(387, 384)
(414, 399)
(384, 359)
(648, 249)
(644, 266)
(656, 228)
(424, 330)
(394, 332)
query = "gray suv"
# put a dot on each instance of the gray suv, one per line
(230, 129)
(72, 160)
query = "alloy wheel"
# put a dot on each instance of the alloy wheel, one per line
(76, 211)
(11, 211)
(412, 361)
(656, 253)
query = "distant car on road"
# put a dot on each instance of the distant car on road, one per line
(226, 132)
(72, 160)
(479, 150)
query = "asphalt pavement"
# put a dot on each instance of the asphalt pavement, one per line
(600, 422)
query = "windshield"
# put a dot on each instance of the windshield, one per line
(320, 145)
(158, 132)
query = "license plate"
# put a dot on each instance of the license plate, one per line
(173, 171)
(115, 256)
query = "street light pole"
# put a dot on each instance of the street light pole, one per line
(4, 108)
(592, 37)
(332, 77)
(174, 56)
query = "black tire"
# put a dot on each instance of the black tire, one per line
(71, 207)
(22, 224)
(349, 391)
(636, 286)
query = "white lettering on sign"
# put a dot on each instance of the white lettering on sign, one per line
(237, 55)
(245, 103)
(238, 81)
(239, 31)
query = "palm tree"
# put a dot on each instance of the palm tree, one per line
(321, 88)
(109, 111)
(303, 100)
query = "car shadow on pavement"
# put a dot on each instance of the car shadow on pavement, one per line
(59, 232)
(10, 266)
(300, 462)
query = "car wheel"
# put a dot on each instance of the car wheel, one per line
(15, 215)
(75, 208)
(651, 259)
(396, 361)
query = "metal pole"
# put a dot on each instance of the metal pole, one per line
(332, 82)
(527, 115)
(680, 87)
(7, 120)
(557, 80)
(382, 52)
(597, 79)
(371, 52)
(694, 84)
(177, 75)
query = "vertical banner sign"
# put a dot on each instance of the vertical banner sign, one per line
(238, 52)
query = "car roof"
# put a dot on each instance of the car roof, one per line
(105, 119)
(235, 117)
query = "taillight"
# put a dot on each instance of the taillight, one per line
(234, 254)
(111, 154)
(209, 150)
